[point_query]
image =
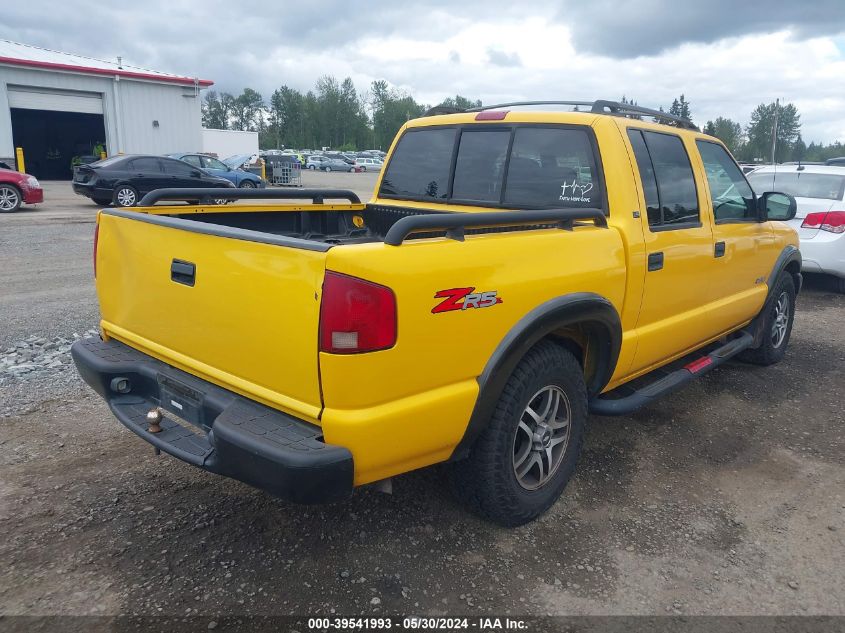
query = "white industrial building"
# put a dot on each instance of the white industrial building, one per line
(58, 106)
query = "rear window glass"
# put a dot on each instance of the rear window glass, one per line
(420, 164)
(110, 161)
(548, 167)
(799, 184)
(480, 166)
(552, 168)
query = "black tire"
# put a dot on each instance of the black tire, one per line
(247, 184)
(11, 198)
(773, 347)
(487, 481)
(312, 167)
(840, 285)
(125, 196)
(328, 169)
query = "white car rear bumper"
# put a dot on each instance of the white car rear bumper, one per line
(824, 253)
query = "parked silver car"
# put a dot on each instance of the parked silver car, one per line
(369, 164)
(325, 163)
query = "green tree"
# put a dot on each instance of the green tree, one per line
(759, 131)
(391, 109)
(681, 108)
(216, 110)
(246, 108)
(799, 149)
(460, 103)
(728, 131)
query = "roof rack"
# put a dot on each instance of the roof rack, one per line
(601, 107)
(441, 109)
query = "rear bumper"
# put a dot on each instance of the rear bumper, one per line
(217, 430)
(824, 253)
(83, 189)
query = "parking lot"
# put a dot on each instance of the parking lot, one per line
(726, 498)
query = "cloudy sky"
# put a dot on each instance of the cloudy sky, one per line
(726, 56)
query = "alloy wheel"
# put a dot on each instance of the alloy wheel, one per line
(541, 437)
(9, 199)
(781, 320)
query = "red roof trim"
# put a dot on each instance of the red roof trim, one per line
(187, 81)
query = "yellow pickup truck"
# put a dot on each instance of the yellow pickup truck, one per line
(518, 267)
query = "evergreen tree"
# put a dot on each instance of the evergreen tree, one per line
(759, 131)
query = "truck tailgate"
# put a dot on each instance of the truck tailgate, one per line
(246, 320)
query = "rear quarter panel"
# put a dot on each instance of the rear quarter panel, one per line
(408, 406)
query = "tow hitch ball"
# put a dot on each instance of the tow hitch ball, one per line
(154, 420)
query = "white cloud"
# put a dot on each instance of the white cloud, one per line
(557, 50)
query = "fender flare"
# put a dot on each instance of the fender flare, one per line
(789, 255)
(580, 308)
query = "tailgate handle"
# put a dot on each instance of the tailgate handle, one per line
(183, 272)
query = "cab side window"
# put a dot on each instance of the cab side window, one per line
(732, 197)
(665, 167)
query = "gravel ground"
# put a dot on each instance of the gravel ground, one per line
(728, 498)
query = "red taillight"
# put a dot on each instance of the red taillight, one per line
(831, 221)
(96, 240)
(356, 315)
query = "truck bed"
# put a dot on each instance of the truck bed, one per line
(354, 223)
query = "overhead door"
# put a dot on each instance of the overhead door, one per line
(55, 100)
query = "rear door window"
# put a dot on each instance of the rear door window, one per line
(420, 164)
(192, 160)
(146, 164)
(676, 190)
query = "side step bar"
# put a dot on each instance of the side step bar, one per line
(604, 405)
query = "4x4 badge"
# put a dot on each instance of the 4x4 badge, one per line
(464, 298)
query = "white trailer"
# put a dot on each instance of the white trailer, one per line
(225, 143)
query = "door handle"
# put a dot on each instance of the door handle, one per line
(719, 250)
(183, 272)
(655, 261)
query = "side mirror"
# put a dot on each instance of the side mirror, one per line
(196, 174)
(774, 205)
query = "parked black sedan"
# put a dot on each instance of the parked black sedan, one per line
(124, 180)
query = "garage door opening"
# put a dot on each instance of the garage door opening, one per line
(53, 140)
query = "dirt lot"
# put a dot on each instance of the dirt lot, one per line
(726, 499)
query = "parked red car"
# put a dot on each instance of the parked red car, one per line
(16, 189)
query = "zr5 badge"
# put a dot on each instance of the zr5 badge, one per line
(464, 298)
